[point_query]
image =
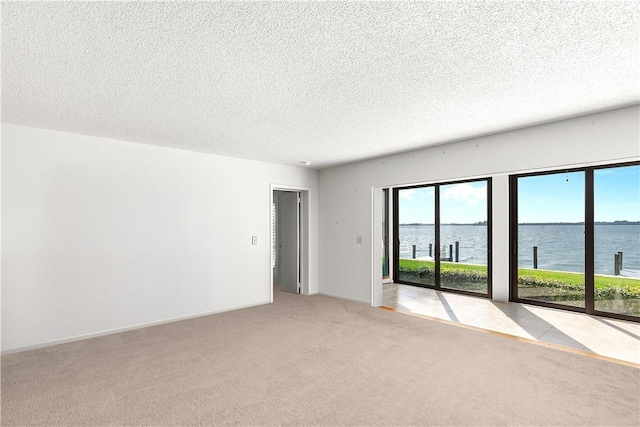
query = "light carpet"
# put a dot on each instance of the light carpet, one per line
(313, 360)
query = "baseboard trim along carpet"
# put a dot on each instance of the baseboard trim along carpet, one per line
(123, 329)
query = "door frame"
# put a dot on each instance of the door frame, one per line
(304, 246)
(437, 228)
(377, 200)
(386, 216)
(589, 240)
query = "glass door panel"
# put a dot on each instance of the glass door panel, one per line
(385, 233)
(464, 236)
(416, 235)
(551, 239)
(617, 240)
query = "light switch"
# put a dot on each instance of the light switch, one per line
(359, 240)
(254, 240)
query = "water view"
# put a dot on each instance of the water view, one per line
(551, 211)
(552, 241)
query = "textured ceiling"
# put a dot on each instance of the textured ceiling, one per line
(329, 82)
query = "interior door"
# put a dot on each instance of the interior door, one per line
(289, 241)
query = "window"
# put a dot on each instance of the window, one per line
(551, 233)
(616, 237)
(443, 236)
(576, 240)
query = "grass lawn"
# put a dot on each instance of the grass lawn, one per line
(612, 293)
(578, 279)
(560, 276)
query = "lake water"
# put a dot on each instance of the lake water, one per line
(560, 247)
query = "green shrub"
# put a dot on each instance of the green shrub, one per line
(552, 289)
(450, 275)
(605, 293)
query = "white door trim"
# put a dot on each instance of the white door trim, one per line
(305, 244)
(376, 248)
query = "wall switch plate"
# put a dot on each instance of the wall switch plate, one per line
(359, 240)
(254, 240)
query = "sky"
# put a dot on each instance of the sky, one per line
(551, 198)
(464, 203)
(557, 197)
(560, 197)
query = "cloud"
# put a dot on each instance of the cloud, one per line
(407, 194)
(466, 193)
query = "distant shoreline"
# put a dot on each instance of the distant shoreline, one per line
(535, 223)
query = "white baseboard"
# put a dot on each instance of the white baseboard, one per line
(123, 329)
(326, 294)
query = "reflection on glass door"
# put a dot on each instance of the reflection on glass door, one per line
(551, 238)
(464, 236)
(416, 235)
(617, 240)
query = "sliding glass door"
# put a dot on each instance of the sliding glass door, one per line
(617, 240)
(551, 238)
(385, 233)
(464, 237)
(443, 236)
(416, 235)
(575, 239)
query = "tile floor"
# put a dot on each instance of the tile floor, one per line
(590, 335)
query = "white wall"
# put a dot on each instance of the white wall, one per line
(102, 235)
(346, 207)
(0, 242)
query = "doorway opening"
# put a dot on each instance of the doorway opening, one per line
(289, 240)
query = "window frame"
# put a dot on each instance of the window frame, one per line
(437, 254)
(589, 242)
